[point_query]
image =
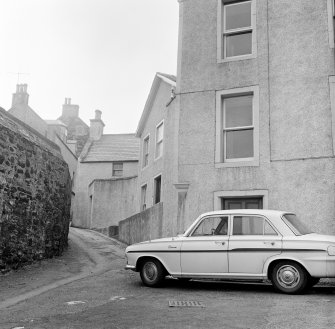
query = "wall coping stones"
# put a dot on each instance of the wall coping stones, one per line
(12, 123)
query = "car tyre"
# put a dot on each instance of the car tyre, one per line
(289, 277)
(152, 273)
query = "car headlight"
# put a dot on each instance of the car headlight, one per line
(331, 250)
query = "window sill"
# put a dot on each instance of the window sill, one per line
(251, 163)
(236, 58)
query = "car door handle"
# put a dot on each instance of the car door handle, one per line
(269, 243)
(220, 242)
(172, 247)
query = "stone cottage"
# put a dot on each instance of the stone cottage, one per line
(105, 185)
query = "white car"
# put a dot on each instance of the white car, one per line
(239, 244)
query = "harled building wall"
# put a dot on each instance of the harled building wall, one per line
(162, 110)
(294, 165)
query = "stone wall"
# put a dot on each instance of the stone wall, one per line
(35, 192)
(146, 225)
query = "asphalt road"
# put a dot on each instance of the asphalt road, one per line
(107, 296)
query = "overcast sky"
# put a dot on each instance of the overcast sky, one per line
(103, 54)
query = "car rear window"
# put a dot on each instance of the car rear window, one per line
(296, 225)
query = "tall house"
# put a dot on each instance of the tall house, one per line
(21, 110)
(256, 91)
(157, 171)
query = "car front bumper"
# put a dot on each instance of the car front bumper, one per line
(130, 267)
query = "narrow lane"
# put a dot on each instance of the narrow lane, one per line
(115, 298)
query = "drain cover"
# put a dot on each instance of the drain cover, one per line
(185, 303)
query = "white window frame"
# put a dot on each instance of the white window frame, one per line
(331, 22)
(161, 141)
(332, 106)
(218, 195)
(147, 137)
(220, 149)
(221, 47)
(114, 163)
(145, 198)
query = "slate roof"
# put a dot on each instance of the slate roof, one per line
(168, 78)
(55, 123)
(114, 147)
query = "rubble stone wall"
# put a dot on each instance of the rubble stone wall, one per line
(35, 195)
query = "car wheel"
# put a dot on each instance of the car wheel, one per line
(152, 273)
(289, 277)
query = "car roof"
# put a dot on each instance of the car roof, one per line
(264, 212)
(273, 215)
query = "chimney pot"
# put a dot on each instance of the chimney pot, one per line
(21, 96)
(98, 115)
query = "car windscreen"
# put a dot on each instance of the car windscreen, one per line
(296, 225)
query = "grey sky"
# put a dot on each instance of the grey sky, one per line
(103, 54)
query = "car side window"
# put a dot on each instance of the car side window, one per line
(212, 226)
(251, 225)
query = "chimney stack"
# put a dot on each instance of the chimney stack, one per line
(21, 96)
(96, 126)
(70, 110)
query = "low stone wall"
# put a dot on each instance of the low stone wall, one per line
(35, 195)
(146, 225)
(111, 231)
(110, 200)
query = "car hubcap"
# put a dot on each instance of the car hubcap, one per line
(150, 271)
(288, 276)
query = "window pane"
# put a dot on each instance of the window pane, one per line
(159, 149)
(268, 230)
(238, 44)
(118, 166)
(248, 225)
(298, 226)
(143, 197)
(238, 15)
(238, 111)
(239, 144)
(160, 132)
(158, 185)
(212, 226)
(146, 145)
(252, 205)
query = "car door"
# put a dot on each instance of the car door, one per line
(253, 240)
(204, 251)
